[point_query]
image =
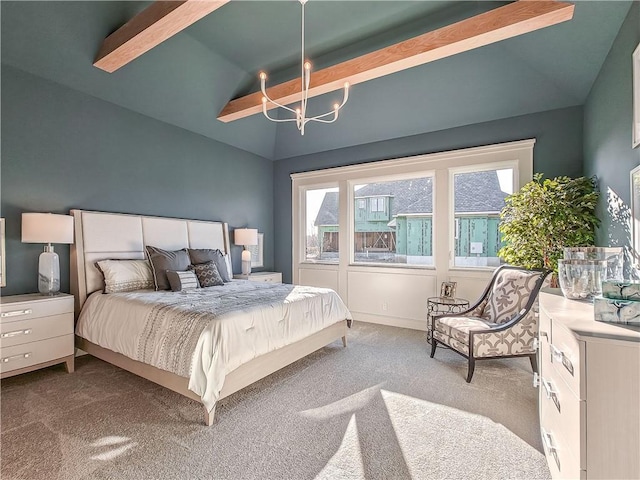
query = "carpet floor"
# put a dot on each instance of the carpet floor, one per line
(378, 409)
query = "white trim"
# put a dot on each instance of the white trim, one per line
(635, 58)
(417, 159)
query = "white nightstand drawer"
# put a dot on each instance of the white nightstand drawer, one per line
(35, 329)
(28, 354)
(34, 306)
(271, 277)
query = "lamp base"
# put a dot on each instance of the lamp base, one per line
(49, 272)
(246, 267)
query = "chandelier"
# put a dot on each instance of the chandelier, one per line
(300, 112)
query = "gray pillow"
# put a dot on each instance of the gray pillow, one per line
(163, 260)
(204, 255)
(180, 281)
(207, 274)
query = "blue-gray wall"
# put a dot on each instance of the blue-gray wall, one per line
(607, 128)
(63, 149)
(558, 151)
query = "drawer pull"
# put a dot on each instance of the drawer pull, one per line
(16, 357)
(16, 313)
(536, 344)
(559, 356)
(547, 440)
(542, 333)
(536, 380)
(16, 333)
(551, 392)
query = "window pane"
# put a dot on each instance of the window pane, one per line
(322, 225)
(396, 228)
(479, 198)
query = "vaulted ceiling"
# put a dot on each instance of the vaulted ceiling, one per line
(188, 79)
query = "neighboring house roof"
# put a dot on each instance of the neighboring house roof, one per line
(328, 213)
(475, 192)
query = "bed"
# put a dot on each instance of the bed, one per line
(238, 333)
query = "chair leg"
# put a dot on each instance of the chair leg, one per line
(434, 345)
(472, 366)
(534, 362)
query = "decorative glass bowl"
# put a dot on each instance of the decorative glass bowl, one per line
(613, 256)
(581, 279)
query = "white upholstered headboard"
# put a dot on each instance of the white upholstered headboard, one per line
(102, 235)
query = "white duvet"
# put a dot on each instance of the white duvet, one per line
(209, 332)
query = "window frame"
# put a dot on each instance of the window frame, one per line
(303, 227)
(520, 152)
(381, 179)
(453, 221)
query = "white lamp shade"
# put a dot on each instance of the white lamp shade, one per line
(47, 228)
(245, 236)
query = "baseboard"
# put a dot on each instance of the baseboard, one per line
(390, 321)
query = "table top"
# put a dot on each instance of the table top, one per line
(448, 301)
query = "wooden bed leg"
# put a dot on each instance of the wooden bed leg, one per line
(208, 416)
(344, 341)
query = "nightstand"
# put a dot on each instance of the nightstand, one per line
(36, 331)
(271, 277)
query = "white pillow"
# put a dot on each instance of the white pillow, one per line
(126, 275)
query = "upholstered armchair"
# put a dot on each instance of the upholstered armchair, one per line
(503, 323)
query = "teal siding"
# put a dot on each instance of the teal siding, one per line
(414, 236)
(478, 229)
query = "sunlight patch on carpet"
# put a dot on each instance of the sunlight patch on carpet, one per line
(347, 461)
(349, 404)
(441, 442)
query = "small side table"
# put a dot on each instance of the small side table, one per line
(443, 306)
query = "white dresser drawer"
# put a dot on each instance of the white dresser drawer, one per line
(560, 457)
(35, 329)
(563, 413)
(567, 357)
(34, 307)
(28, 354)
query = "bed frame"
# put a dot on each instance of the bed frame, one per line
(102, 235)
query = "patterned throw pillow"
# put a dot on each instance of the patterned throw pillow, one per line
(181, 281)
(125, 275)
(204, 255)
(207, 274)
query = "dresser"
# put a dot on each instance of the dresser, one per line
(272, 277)
(589, 381)
(36, 331)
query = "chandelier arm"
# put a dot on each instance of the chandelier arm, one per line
(278, 120)
(264, 94)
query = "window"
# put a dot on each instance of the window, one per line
(397, 229)
(478, 199)
(431, 216)
(322, 235)
(377, 204)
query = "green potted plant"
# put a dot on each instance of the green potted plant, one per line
(546, 215)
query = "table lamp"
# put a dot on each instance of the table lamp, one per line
(245, 237)
(47, 228)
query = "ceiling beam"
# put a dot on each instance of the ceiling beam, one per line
(158, 22)
(511, 20)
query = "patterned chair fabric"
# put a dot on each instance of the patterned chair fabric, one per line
(503, 323)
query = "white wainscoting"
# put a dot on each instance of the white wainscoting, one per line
(320, 277)
(398, 299)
